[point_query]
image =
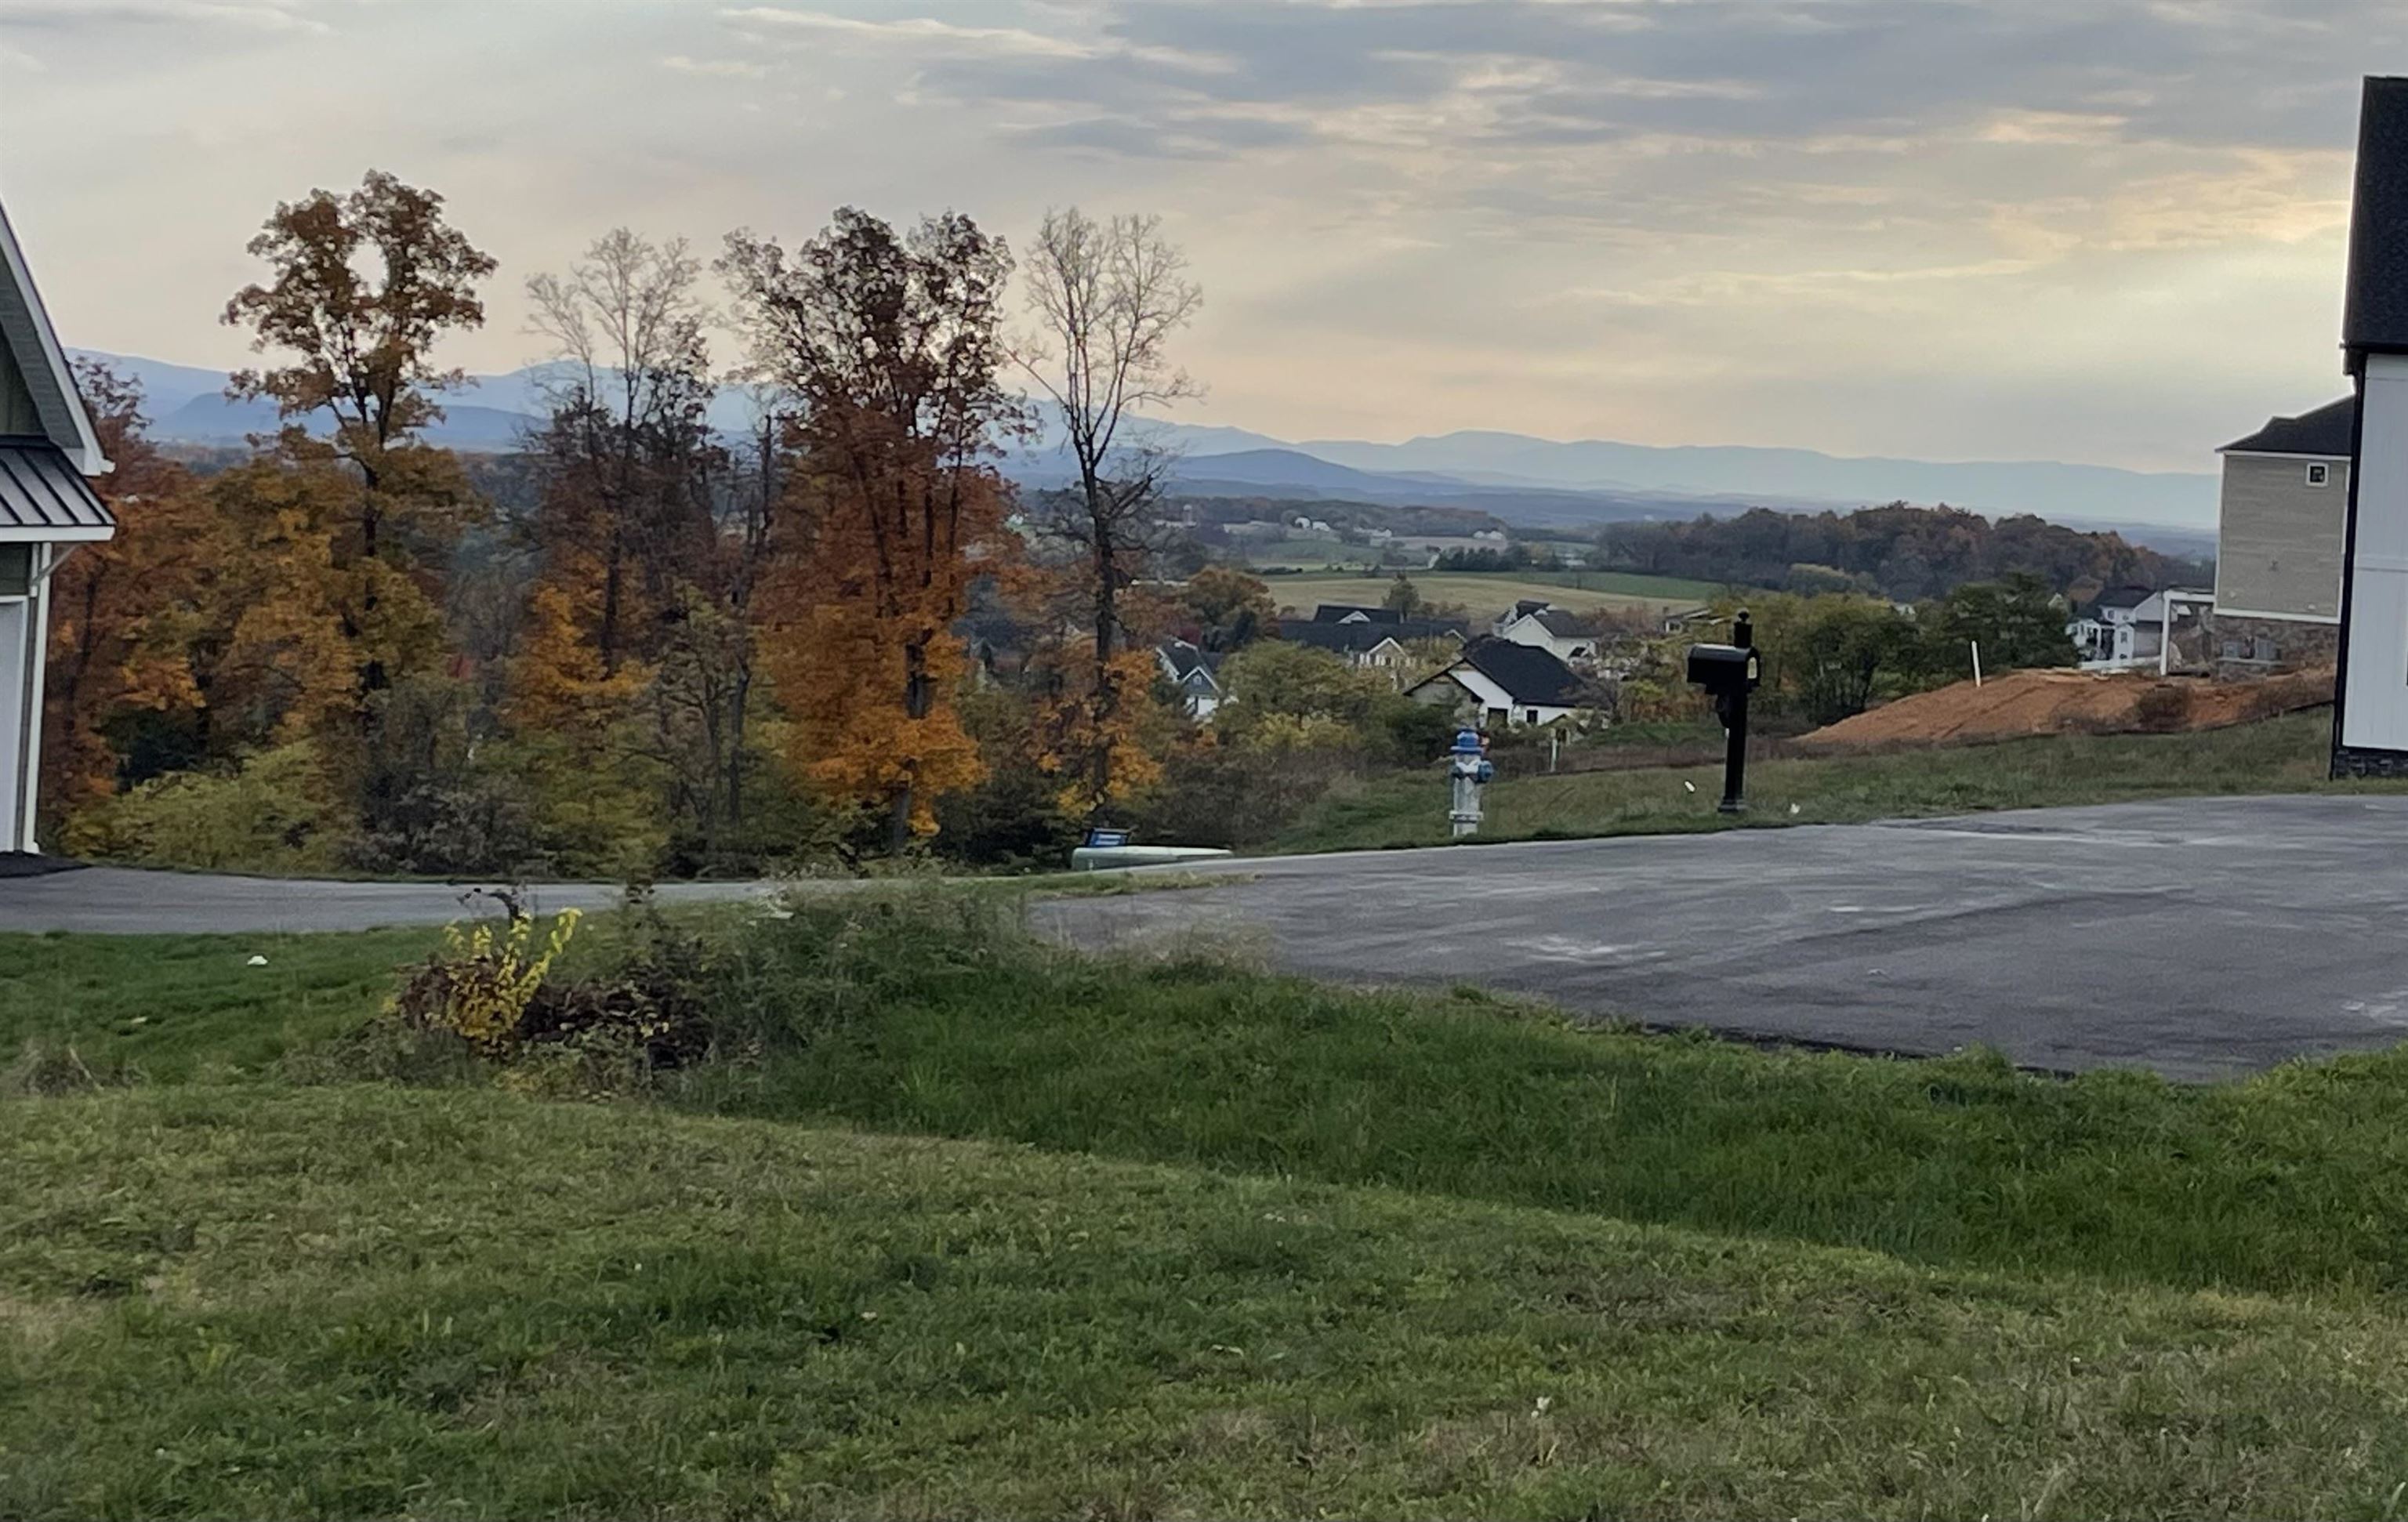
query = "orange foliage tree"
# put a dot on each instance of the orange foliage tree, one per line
(362, 287)
(890, 347)
(121, 610)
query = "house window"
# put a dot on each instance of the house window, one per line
(2319, 475)
(1530, 715)
(15, 571)
(2263, 650)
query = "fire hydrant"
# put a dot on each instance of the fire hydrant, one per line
(1471, 771)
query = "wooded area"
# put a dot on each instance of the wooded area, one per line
(1898, 552)
(646, 645)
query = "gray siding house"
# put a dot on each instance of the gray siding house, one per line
(2279, 543)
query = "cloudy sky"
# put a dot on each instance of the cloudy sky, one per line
(2099, 230)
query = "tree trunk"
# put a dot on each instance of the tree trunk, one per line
(916, 695)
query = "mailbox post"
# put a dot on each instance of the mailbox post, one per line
(1468, 771)
(1729, 673)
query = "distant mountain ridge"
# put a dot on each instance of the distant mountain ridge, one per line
(1522, 479)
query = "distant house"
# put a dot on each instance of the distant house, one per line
(1375, 645)
(1548, 627)
(1499, 682)
(2280, 531)
(1195, 672)
(47, 508)
(2134, 627)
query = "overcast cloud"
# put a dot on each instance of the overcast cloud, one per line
(2106, 230)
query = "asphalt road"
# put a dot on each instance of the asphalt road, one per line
(2198, 937)
(113, 900)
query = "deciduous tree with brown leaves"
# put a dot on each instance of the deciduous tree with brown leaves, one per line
(890, 346)
(1107, 297)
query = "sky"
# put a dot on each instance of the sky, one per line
(2108, 231)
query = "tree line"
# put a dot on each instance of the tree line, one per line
(1903, 553)
(676, 650)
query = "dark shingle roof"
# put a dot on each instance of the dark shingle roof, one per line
(40, 489)
(2326, 432)
(1526, 672)
(1345, 638)
(1339, 612)
(1353, 638)
(2121, 596)
(1185, 660)
(2376, 317)
(1559, 621)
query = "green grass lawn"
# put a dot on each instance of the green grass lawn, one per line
(2287, 755)
(984, 1228)
(363, 1303)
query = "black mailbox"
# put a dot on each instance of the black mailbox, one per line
(1725, 670)
(1729, 673)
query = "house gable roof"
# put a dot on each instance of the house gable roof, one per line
(2375, 318)
(1531, 674)
(2326, 433)
(33, 345)
(1189, 665)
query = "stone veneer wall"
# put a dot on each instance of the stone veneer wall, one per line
(2238, 647)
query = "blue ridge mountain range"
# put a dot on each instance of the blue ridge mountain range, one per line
(1536, 482)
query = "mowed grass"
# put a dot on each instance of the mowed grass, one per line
(979, 1226)
(361, 1303)
(1487, 594)
(2288, 754)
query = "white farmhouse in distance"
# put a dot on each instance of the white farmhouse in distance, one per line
(47, 508)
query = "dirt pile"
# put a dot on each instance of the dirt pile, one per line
(2026, 703)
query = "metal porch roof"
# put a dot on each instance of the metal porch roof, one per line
(43, 497)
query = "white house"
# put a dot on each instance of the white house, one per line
(2370, 722)
(1544, 627)
(1500, 684)
(47, 508)
(1194, 672)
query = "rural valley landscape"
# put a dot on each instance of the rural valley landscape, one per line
(1153, 760)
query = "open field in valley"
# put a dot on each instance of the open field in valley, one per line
(1488, 595)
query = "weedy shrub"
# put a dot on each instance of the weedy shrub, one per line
(481, 985)
(497, 995)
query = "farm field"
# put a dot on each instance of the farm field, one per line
(1488, 595)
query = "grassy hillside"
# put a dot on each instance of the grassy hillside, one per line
(1488, 595)
(2280, 756)
(373, 1304)
(965, 1226)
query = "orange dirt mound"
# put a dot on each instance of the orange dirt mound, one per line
(2026, 703)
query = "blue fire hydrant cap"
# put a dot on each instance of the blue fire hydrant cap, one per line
(1467, 742)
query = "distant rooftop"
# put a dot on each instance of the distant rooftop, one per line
(2326, 433)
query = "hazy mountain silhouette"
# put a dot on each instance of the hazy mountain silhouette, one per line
(1519, 477)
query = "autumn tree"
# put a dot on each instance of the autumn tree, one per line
(1106, 297)
(362, 287)
(122, 611)
(890, 347)
(1229, 607)
(627, 454)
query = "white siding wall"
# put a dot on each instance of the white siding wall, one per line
(2375, 711)
(16, 695)
(2279, 539)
